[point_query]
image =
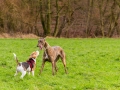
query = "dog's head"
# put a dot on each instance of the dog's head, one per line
(34, 54)
(41, 43)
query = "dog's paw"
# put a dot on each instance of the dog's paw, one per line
(21, 77)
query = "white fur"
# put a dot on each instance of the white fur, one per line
(21, 69)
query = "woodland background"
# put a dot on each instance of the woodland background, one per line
(61, 18)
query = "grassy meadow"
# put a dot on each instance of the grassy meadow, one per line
(93, 64)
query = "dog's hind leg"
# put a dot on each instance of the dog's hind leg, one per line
(64, 63)
(62, 56)
(23, 74)
(16, 73)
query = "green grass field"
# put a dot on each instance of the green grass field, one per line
(93, 64)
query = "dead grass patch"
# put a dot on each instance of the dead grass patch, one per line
(17, 35)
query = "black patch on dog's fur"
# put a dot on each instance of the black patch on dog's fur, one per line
(25, 64)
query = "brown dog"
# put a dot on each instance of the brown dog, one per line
(51, 54)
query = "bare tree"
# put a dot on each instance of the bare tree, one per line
(89, 15)
(45, 16)
(114, 16)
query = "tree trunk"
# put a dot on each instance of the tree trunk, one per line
(48, 18)
(113, 19)
(45, 17)
(57, 20)
(90, 6)
(101, 17)
(61, 27)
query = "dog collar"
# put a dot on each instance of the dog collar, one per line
(34, 60)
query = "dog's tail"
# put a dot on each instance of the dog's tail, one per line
(16, 58)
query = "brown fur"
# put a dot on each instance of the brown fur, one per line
(53, 54)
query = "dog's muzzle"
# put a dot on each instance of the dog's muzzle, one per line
(40, 46)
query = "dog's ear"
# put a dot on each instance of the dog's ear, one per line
(34, 55)
(44, 38)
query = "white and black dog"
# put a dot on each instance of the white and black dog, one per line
(28, 66)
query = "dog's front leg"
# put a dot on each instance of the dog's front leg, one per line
(53, 68)
(56, 69)
(33, 73)
(43, 63)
